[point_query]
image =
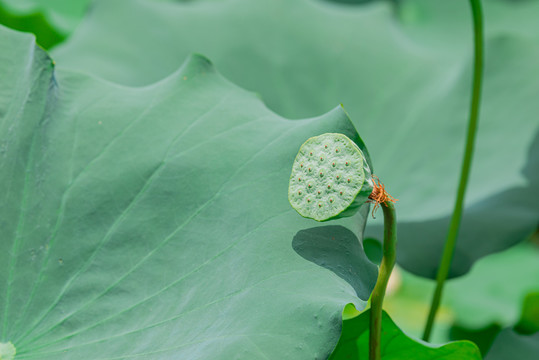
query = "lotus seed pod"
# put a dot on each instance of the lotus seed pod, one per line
(7, 351)
(330, 178)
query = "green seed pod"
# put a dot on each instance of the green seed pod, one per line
(7, 351)
(330, 178)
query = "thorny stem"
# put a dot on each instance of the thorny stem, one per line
(452, 234)
(388, 261)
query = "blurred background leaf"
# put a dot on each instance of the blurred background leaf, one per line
(495, 289)
(50, 20)
(497, 293)
(529, 320)
(511, 345)
(402, 70)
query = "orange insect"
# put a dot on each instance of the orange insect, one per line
(379, 195)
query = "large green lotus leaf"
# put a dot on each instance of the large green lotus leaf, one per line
(153, 222)
(395, 344)
(402, 71)
(511, 345)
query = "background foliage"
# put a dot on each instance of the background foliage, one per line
(402, 69)
(416, 57)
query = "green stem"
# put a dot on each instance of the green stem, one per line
(388, 261)
(452, 234)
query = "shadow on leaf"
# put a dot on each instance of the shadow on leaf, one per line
(338, 249)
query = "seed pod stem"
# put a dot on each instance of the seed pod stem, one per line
(386, 266)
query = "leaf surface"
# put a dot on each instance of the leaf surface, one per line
(403, 73)
(153, 222)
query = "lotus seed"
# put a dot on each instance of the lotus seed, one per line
(321, 174)
(329, 186)
(333, 164)
(309, 169)
(299, 179)
(311, 153)
(301, 165)
(330, 200)
(337, 177)
(319, 205)
(348, 180)
(321, 159)
(340, 192)
(347, 163)
(309, 185)
(308, 200)
(325, 146)
(336, 150)
(299, 192)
